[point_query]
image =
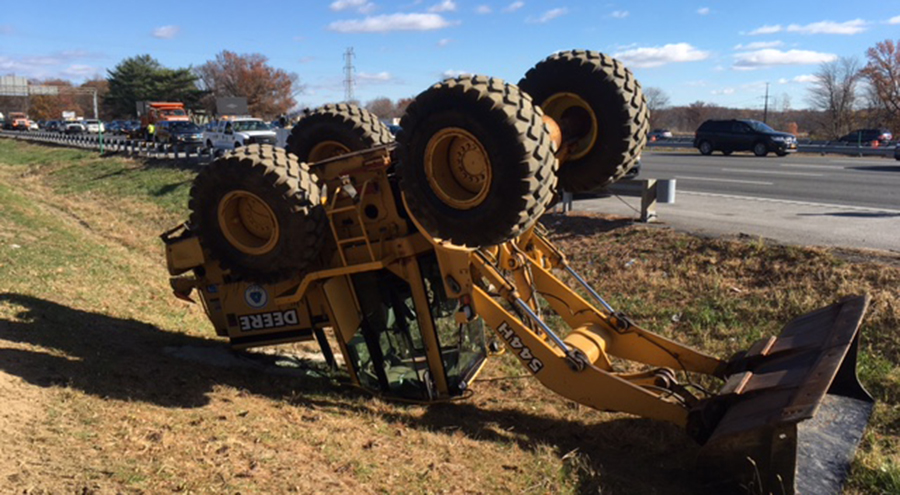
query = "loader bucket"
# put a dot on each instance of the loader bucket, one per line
(792, 410)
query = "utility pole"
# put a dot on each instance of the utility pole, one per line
(766, 110)
(348, 75)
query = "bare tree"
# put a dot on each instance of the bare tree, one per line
(835, 93)
(657, 100)
(883, 75)
(383, 107)
(269, 91)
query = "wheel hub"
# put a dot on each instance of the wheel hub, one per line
(577, 122)
(248, 222)
(327, 149)
(458, 168)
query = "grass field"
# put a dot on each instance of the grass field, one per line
(98, 396)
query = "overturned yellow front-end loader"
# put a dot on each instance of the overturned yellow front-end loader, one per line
(411, 251)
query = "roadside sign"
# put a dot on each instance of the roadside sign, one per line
(232, 106)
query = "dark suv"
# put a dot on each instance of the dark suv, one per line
(867, 136)
(742, 135)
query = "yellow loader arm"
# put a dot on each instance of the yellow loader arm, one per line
(761, 429)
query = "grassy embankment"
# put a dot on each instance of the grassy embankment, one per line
(95, 401)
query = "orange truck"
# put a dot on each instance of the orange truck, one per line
(154, 112)
(19, 121)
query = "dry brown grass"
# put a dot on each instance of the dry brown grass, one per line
(97, 399)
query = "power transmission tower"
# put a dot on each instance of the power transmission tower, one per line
(766, 109)
(349, 81)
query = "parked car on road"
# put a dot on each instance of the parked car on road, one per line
(74, 127)
(114, 127)
(657, 134)
(231, 134)
(53, 126)
(94, 126)
(897, 152)
(867, 136)
(174, 132)
(732, 135)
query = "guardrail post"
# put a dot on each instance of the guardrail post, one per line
(665, 192)
(648, 201)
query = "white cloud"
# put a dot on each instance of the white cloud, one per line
(513, 7)
(451, 73)
(361, 6)
(444, 42)
(855, 26)
(770, 57)
(656, 56)
(783, 80)
(65, 64)
(805, 79)
(759, 45)
(380, 77)
(392, 22)
(549, 15)
(754, 86)
(444, 6)
(166, 32)
(703, 10)
(894, 20)
(726, 91)
(80, 70)
(483, 9)
(766, 30)
(619, 14)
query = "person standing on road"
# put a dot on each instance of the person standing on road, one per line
(151, 132)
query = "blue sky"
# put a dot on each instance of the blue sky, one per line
(714, 51)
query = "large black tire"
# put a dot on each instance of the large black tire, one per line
(491, 171)
(705, 147)
(614, 97)
(335, 129)
(246, 181)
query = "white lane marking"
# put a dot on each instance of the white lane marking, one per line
(790, 202)
(863, 162)
(824, 167)
(725, 180)
(764, 172)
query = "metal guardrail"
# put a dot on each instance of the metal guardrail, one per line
(113, 144)
(650, 191)
(804, 146)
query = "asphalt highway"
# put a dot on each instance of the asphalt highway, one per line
(868, 182)
(828, 200)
